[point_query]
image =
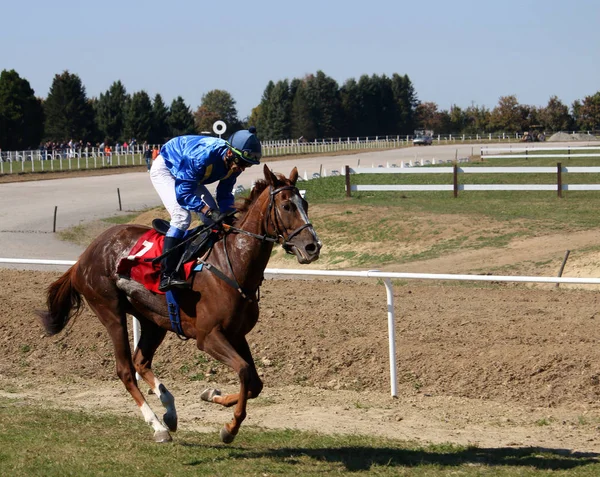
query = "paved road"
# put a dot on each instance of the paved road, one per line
(27, 208)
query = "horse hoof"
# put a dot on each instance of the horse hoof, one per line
(209, 394)
(170, 420)
(162, 437)
(226, 436)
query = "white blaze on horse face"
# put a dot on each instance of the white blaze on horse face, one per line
(300, 206)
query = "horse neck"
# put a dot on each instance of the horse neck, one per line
(249, 255)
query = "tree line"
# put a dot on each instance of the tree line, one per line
(314, 106)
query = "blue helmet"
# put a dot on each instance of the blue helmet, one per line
(246, 146)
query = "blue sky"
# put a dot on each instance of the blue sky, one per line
(455, 52)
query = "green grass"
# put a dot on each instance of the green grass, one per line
(576, 208)
(121, 219)
(393, 217)
(36, 441)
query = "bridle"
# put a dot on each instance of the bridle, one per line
(277, 220)
(279, 237)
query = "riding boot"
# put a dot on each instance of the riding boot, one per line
(170, 275)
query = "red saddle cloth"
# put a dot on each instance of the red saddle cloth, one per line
(134, 266)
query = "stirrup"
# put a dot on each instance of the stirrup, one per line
(168, 282)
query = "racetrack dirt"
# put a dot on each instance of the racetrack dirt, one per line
(499, 365)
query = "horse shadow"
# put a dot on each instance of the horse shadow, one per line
(360, 458)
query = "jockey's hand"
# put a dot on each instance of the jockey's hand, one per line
(219, 217)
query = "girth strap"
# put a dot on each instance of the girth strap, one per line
(174, 317)
(230, 281)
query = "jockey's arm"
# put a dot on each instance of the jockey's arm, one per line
(225, 198)
(185, 190)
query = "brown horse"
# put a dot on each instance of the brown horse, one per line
(213, 312)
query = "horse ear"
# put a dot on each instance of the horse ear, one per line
(269, 176)
(294, 175)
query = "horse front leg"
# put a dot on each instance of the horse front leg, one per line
(218, 346)
(150, 339)
(116, 325)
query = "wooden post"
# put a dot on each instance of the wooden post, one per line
(562, 266)
(559, 180)
(455, 180)
(348, 189)
(54, 226)
(119, 195)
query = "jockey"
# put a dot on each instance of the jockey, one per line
(180, 174)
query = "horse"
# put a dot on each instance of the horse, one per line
(218, 310)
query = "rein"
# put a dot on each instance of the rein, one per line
(279, 238)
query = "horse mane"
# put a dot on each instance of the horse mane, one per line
(243, 203)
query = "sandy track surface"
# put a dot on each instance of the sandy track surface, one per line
(496, 366)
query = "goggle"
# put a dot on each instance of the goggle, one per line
(249, 157)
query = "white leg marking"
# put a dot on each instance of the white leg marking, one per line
(151, 418)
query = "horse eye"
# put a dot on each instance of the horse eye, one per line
(287, 207)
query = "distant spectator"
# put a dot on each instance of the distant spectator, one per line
(148, 157)
(155, 152)
(108, 154)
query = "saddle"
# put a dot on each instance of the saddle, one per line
(198, 247)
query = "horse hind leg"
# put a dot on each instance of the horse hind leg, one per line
(150, 339)
(219, 347)
(116, 324)
(255, 384)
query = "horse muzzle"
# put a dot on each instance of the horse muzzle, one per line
(305, 251)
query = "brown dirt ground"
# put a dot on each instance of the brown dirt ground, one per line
(499, 365)
(496, 364)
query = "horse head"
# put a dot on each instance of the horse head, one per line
(287, 217)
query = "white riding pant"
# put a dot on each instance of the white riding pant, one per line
(164, 183)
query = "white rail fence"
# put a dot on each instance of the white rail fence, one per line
(35, 160)
(488, 151)
(386, 277)
(455, 187)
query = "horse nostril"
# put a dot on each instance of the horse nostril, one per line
(311, 248)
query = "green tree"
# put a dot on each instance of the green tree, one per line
(406, 101)
(477, 119)
(430, 118)
(457, 119)
(110, 112)
(589, 113)
(216, 105)
(181, 119)
(21, 115)
(303, 121)
(259, 118)
(350, 106)
(254, 119)
(507, 116)
(160, 131)
(69, 114)
(138, 118)
(555, 116)
(368, 102)
(279, 111)
(388, 113)
(327, 108)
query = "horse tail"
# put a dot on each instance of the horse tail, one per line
(63, 302)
